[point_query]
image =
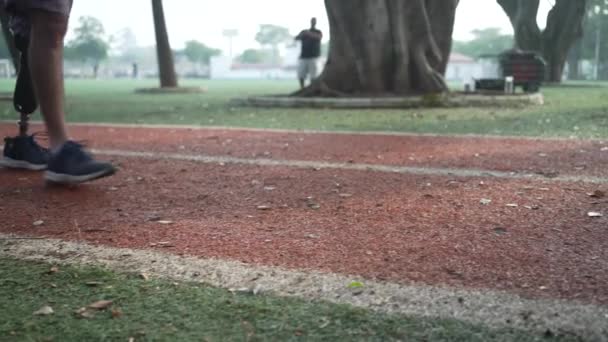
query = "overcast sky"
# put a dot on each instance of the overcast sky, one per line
(204, 20)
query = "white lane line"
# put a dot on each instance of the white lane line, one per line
(304, 164)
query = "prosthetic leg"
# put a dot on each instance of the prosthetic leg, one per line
(22, 152)
(24, 98)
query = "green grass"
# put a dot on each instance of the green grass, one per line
(163, 311)
(572, 110)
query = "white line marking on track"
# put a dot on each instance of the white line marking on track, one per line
(303, 164)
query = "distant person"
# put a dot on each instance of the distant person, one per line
(43, 25)
(311, 51)
(135, 70)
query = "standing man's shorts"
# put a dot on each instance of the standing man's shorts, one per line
(19, 10)
(307, 67)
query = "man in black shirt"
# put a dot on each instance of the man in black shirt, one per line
(311, 50)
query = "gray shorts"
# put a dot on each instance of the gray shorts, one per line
(307, 67)
(19, 10)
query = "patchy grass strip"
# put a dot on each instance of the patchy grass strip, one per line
(431, 305)
(569, 110)
(132, 307)
(387, 133)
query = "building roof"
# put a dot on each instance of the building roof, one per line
(256, 66)
(456, 57)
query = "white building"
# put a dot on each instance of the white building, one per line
(463, 68)
(223, 68)
(6, 68)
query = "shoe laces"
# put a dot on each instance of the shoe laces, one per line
(80, 148)
(41, 134)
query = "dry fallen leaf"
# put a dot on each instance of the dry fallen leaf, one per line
(264, 207)
(84, 313)
(116, 313)
(485, 201)
(101, 304)
(355, 285)
(44, 311)
(324, 322)
(165, 222)
(500, 230)
(597, 194)
(594, 214)
(314, 206)
(144, 276)
(512, 205)
(38, 223)
(94, 283)
(154, 218)
(53, 269)
(242, 290)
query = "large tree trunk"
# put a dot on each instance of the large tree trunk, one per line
(564, 27)
(8, 37)
(166, 66)
(574, 59)
(386, 47)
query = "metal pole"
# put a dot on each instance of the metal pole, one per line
(598, 41)
(230, 42)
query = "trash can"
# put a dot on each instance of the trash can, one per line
(527, 69)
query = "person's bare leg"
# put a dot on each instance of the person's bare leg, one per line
(46, 64)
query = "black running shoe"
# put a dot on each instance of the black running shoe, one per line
(24, 153)
(73, 165)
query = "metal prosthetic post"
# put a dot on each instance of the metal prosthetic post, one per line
(24, 124)
(24, 98)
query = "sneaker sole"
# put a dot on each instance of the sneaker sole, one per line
(61, 178)
(20, 164)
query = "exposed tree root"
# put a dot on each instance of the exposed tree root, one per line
(319, 88)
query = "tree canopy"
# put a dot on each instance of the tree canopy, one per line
(485, 41)
(198, 52)
(273, 36)
(255, 56)
(89, 43)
